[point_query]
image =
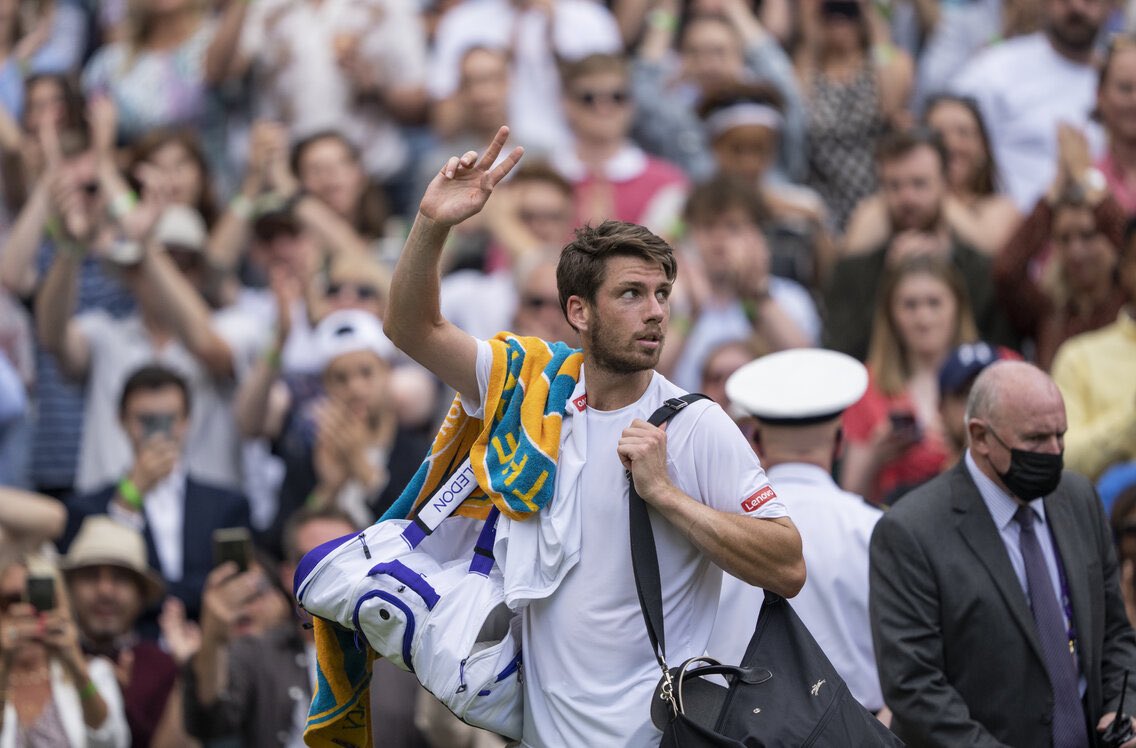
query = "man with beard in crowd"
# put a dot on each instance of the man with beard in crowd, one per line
(913, 181)
(1026, 86)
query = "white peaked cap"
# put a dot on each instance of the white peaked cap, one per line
(798, 387)
(347, 331)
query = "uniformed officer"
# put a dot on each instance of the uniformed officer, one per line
(798, 397)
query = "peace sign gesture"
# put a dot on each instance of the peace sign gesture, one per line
(464, 184)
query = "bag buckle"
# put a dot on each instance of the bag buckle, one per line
(666, 692)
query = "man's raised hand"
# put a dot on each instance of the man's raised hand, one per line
(464, 184)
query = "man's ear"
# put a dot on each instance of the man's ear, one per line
(978, 433)
(577, 312)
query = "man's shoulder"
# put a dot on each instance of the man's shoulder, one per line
(1075, 484)
(92, 502)
(197, 491)
(998, 64)
(662, 390)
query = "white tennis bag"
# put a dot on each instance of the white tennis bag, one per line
(428, 596)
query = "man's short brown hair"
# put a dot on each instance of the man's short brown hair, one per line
(572, 71)
(722, 194)
(900, 143)
(541, 171)
(583, 261)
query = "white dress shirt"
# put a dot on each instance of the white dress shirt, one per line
(164, 507)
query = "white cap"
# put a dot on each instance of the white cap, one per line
(182, 227)
(347, 331)
(799, 387)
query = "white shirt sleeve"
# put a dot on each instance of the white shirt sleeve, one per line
(720, 469)
(473, 402)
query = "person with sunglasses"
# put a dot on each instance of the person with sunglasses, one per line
(613, 177)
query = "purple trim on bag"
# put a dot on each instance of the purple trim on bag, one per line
(483, 550)
(413, 534)
(509, 669)
(410, 578)
(407, 635)
(312, 558)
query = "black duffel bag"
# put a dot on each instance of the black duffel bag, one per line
(784, 693)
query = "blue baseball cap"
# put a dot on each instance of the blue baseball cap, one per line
(965, 363)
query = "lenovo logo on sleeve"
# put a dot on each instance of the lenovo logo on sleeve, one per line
(755, 500)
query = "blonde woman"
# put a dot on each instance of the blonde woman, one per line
(49, 693)
(895, 437)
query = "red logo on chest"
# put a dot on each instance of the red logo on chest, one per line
(755, 500)
(581, 402)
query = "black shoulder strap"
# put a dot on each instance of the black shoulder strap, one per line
(644, 557)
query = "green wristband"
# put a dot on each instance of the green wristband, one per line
(662, 19)
(130, 493)
(122, 204)
(88, 691)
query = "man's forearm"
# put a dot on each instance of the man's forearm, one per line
(210, 669)
(56, 301)
(17, 256)
(416, 285)
(188, 312)
(763, 552)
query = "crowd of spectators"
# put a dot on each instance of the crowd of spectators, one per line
(201, 204)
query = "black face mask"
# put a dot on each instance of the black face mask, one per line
(1031, 475)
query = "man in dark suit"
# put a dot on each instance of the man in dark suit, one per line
(996, 613)
(912, 170)
(175, 513)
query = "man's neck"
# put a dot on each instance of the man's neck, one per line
(107, 646)
(610, 390)
(771, 459)
(1075, 55)
(984, 467)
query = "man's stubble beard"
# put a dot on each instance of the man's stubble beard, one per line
(605, 353)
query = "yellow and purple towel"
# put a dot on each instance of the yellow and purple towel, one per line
(513, 452)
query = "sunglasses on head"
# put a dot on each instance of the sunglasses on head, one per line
(592, 98)
(362, 290)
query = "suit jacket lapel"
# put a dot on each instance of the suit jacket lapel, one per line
(979, 533)
(1059, 512)
(195, 534)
